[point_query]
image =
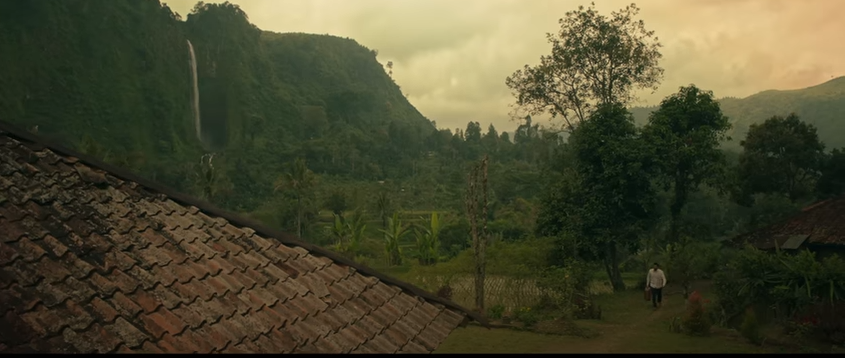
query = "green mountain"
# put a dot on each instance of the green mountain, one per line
(114, 78)
(822, 106)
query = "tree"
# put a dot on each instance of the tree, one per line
(298, 182)
(603, 195)
(781, 155)
(348, 234)
(685, 133)
(209, 181)
(832, 181)
(477, 196)
(336, 202)
(473, 132)
(490, 140)
(356, 228)
(340, 232)
(428, 241)
(595, 60)
(392, 237)
(383, 207)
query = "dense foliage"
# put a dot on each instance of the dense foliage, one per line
(595, 60)
(311, 134)
(793, 284)
(113, 79)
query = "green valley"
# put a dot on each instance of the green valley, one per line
(311, 134)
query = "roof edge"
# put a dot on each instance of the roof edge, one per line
(233, 218)
(803, 211)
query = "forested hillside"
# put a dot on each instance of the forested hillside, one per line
(115, 76)
(310, 134)
(822, 106)
(113, 79)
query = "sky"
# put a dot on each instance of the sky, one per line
(451, 58)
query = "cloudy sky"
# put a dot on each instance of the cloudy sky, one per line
(452, 57)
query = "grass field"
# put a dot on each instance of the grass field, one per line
(628, 325)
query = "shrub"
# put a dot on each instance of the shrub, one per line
(696, 322)
(750, 328)
(586, 308)
(564, 286)
(791, 283)
(445, 292)
(496, 312)
(827, 319)
(527, 316)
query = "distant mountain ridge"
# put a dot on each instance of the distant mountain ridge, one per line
(822, 105)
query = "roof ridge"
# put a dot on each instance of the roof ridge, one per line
(818, 204)
(802, 213)
(207, 208)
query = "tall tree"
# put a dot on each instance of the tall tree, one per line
(473, 132)
(604, 196)
(832, 181)
(477, 198)
(685, 133)
(595, 60)
(781, 155)
(490, 140)
(298, 181)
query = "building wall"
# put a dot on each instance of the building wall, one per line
(825, 252)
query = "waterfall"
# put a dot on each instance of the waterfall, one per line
(195, 100)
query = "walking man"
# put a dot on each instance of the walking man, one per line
(655, 281)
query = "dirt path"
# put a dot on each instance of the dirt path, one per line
(614, 336)
(629, 325)
(613, 342)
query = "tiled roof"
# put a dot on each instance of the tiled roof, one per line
(92, 260)
(823, 222)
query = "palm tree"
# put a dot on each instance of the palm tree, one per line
(392, 236)
(299, 182)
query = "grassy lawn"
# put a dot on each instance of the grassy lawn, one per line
(628, 325)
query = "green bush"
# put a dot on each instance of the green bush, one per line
(496, 312)
(564, 286)
(527, 316)
(750, 328)
(790, 282)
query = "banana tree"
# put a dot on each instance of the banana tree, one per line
(428, 241)
(355, 228)
(392, 237)
(340, 232)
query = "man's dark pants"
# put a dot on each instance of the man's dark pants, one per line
(656, 296)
